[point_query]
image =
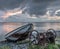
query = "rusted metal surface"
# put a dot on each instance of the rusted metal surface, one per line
(44, 38)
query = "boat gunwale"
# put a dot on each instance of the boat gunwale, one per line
(18, 28)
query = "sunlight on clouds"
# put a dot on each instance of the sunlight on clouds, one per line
(47, 13)
(33, 17)
(54, 17)
(56, 12)
(19, 14)
(9, 13)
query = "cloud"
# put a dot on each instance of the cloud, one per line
(54, 8)
(10, 4)
(36, 7)
(9, 13)
(28, 18)
(1, 13)
(57, 13)
(45, 9)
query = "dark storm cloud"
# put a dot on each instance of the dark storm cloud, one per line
(10, 4)
(36, 7)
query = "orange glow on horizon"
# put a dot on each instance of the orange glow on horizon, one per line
(8, 14)
(13, 12)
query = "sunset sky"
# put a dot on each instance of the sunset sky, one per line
(31, 10)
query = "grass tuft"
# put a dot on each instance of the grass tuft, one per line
(49, 46)
(5, 47)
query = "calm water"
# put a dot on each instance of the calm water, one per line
(7, 27)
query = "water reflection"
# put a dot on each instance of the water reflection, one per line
(7, 27)
(46, 26)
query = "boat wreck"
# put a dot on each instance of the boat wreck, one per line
(20, 33)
